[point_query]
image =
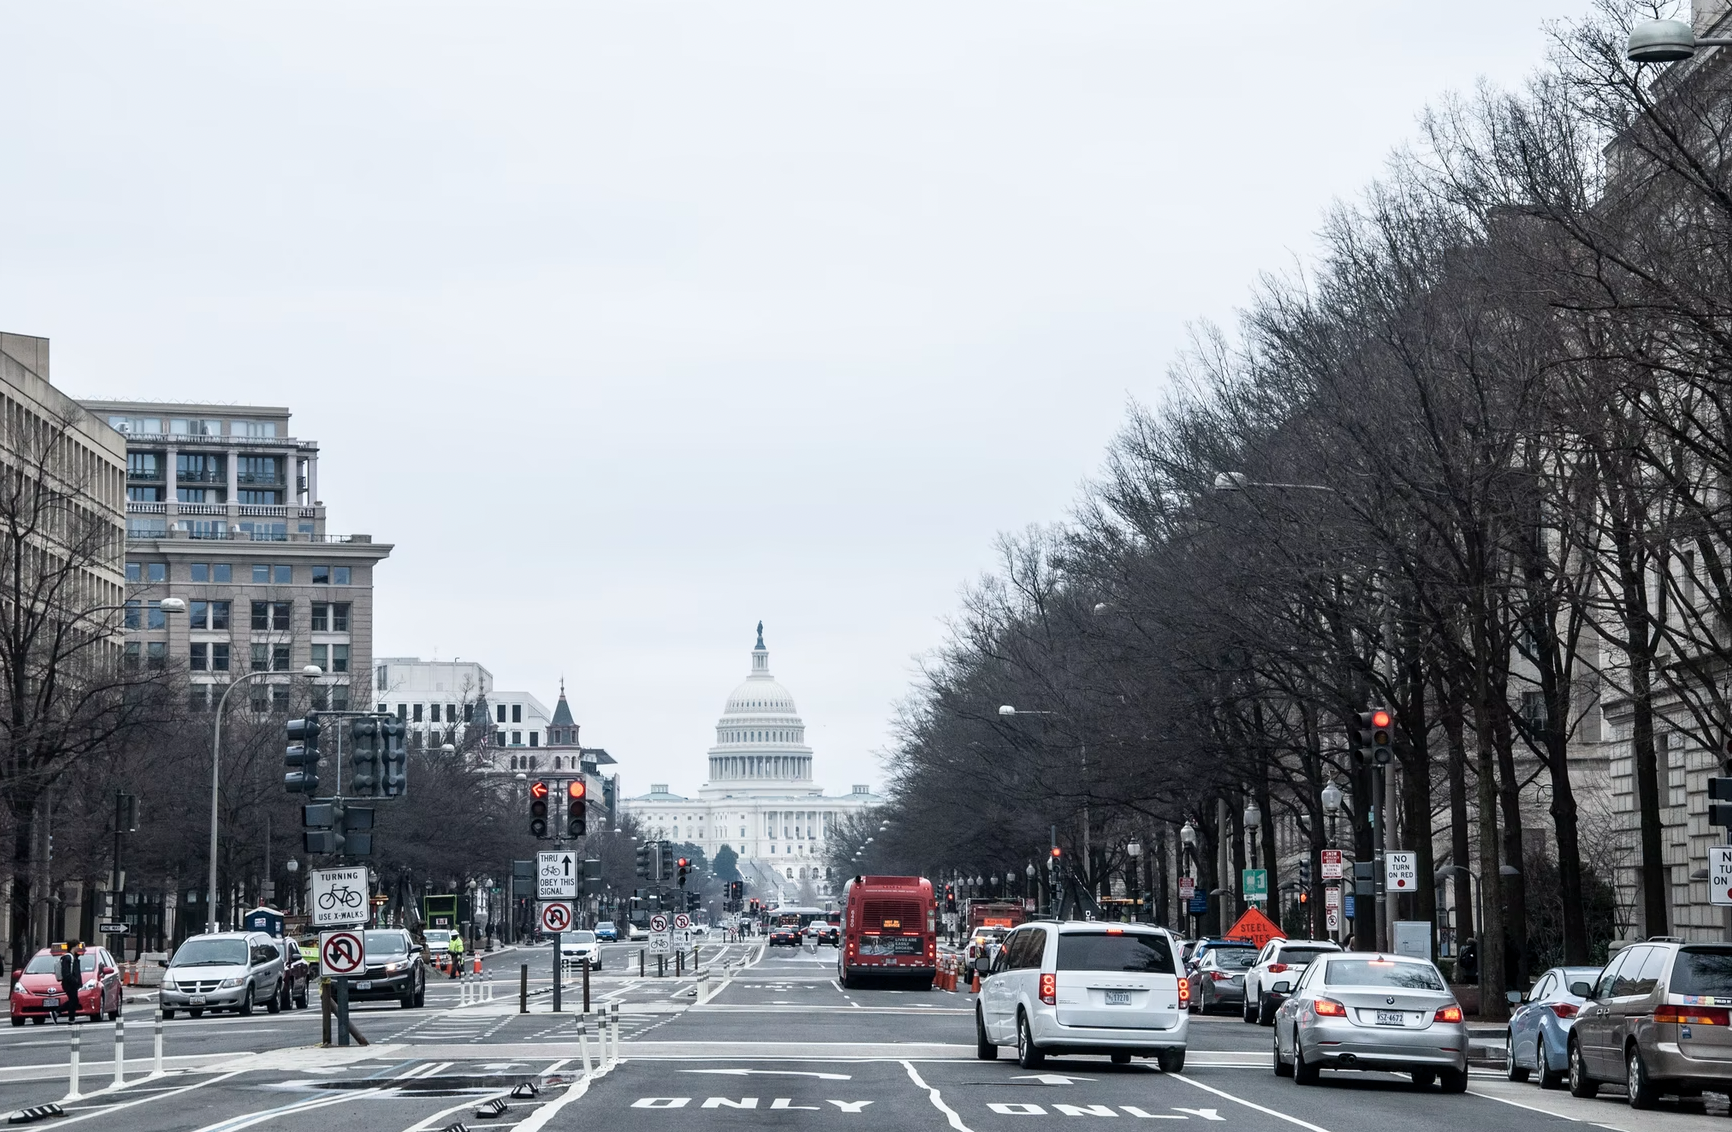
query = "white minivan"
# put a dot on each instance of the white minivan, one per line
(1085, 987)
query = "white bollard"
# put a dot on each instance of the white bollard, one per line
(462, 990)
(156, 1066)
(119, 1052)
(583, 1044)
(72, 1086)
(616, 1033)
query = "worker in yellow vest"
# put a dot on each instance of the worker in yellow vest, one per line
(455, 947)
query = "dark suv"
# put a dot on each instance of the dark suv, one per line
(1657, 1021)
(394, 969)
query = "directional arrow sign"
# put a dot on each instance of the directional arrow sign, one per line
(556, 875)
(1051, 1078)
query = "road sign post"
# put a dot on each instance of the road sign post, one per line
(1331, 864)
(556, 918)
(339, 897)
(1400, 871)
(342, 954)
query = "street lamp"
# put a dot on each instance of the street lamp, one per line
(1008, 711)
(1134, 850)
(1253, 822)
(311, 672)
(1666, 41)
(294, 867)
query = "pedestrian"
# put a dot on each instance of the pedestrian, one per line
(1467, 963)
(69, 980)
(455, 949)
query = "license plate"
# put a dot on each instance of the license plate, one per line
(365, 985)
(1391, 1018)
(50, 1002)
(1118, 998)
(196, 999)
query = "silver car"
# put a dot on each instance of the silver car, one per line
(1359, 1010)
(224, 971)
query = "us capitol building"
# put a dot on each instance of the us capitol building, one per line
(760, 798)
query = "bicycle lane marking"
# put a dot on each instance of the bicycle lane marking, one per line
(1248, 1104)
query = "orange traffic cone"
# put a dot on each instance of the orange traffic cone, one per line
(974, 986)
(478, 964)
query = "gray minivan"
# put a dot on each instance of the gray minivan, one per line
(223, 971)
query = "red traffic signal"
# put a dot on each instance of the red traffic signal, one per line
(684, 863)
(1055, 851)
(538, 790)
(1381, 718)
(576, 789)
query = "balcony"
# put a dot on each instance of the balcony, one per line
(254, 479)
(218, 476)
(144, 475)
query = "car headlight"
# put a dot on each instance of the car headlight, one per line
(168, 983)
(230, 984)
(400, 965)
(89, 984)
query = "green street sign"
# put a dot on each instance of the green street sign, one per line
(1254, 885)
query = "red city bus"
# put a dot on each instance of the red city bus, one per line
(889, 929)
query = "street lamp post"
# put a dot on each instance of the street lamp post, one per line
(1188, 841)
(1134, 851)
(1008, 711)
(310, 671)
(1666, 41)
(1253, 823)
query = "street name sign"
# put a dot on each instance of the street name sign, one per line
(556, 916)
(1400, 871)
(342, 953)
(557, 875)
(339, 897)
(1331, 864)
(1720, 874)
(111, 928)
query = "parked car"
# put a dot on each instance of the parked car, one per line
(1218, 978)
(1351, 1010)
(1084, 987)
(1278, 957)
(38, 992)
(297, 973)
(576, 946)
(1657, 1021)
(394, 969)
(223, 971)
(1539, 1030)
(606, 931)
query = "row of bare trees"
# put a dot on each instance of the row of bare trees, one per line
(1474, 465)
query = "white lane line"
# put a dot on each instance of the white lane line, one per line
(1246, 1103)
(106, 1109)
(938, 1101)
(1535, 1108)
(539, 1118)
(235, 1123)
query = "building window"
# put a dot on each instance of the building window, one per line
(156, 654)
(194, 495)
(156, 571)
(261, 657)
(131, 619)
(135, 571)
(219, 657)
(321, 618)
(339, 658)
(259, 471)
(255, 430)
(198, 697)
(147, 494)
(501, 713)
(433, 713)
(339, 575)
(260, 699)
(280, 697)
(279, 658)
(178, 426)
(534, 738)
(321, 575)
(450, 713)
(340, 697)
(415, 712)
(517, 738)
(265, 574)
(270, 615)
(199, 661)
(499, 738)
(320, 659)
(132, 652)
(154, 617)
(206, 572)
(517, 713)
(468, 713)
(141, 465)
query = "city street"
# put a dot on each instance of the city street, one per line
(780, 1042)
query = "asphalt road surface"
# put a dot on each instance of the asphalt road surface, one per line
(760, 1040)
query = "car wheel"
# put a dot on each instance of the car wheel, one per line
(195, 1012)
(1303, 1074)
(983, 1047)
(274, 1004)
(38, 1021)
(1265, 1012)
(1549, 1078)
(1643, 1094)
(114, 1015)
(1423, 1078)
(1581, 1085)
(1121, 1058)
(1171, 1060)
(407, 1002)
(1453, 1080)
(245, 1009)
(18, 1019)
(1027, 1054)
(1282, 1069)
(1247, 1010)
(301, 999)
(421, 995)
(1511, 1069)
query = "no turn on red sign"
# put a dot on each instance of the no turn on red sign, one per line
(1401, 871)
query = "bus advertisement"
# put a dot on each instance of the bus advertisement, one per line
(889, 931)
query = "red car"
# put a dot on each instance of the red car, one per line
(37, 992)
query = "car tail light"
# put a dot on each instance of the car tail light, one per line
(1049, 989)
(1692, 1015)
(1564, 1009)
(1220, 976)
(1447, 1014)
(1184, 991)
(1329, 1008)
(1277, 968)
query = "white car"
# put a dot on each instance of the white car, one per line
(576, 946)
(1280, 959)
(634, 932)
(1085, 987)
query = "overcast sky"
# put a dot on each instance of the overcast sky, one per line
(632, 324)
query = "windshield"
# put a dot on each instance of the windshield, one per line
(50, 964)
(1099, 951)
(1293, 956)
(1232, 958)
(211, 953)
(386, 943)
(606, 925)
(438, 937)
(1383, 973)
(1702, 971)
(580, 937)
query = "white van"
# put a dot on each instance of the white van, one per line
(1085, 987)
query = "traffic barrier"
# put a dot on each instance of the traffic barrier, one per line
(583, 1043)
(974, 984)
(119, 1052)
(477, 965)
(72, 1065)
(156, 1058)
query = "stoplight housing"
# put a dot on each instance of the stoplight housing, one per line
(1720, 802)
(538, 792)
(364, 780)
(576, 824)
(1382, 736)
(302, 757)
(393, 757)
(666, 872)
(684, 864)
(643, 862)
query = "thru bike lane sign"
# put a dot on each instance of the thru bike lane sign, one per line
(339, 897)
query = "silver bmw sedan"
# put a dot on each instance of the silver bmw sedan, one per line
(1366, 1011)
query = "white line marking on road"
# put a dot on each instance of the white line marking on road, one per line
(104, 1110)
(1248, 1104)
(773, 1073)
(235, 1123)
(1535, 1108)
(938, 1101)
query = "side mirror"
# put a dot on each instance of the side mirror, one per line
(1582, 990)
(983, 964)
(1516, 997)
(1282, 987)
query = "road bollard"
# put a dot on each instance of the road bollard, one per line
(119, 1051)
(679, 964)
(490, 988)
(156, 1058)
(583, 1042)
(586, 986)
(523, 989)
(614, 1010)
(72, 1086)
(640, 962)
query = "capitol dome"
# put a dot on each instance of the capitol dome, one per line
(760, 738)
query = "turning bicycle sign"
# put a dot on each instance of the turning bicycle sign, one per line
(339, 897)
(342, 953)
(556, 917)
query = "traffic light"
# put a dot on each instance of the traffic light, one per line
(575, 822)
(364, 757)
(538, 792)
(1720, 802)
(302, 757)
(643, 862)
(324, 822)
(1377, 736)
(1305, 873)
(666, 872)
(692, 902)
(684, 864)
(950, 898)
(393, 757)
